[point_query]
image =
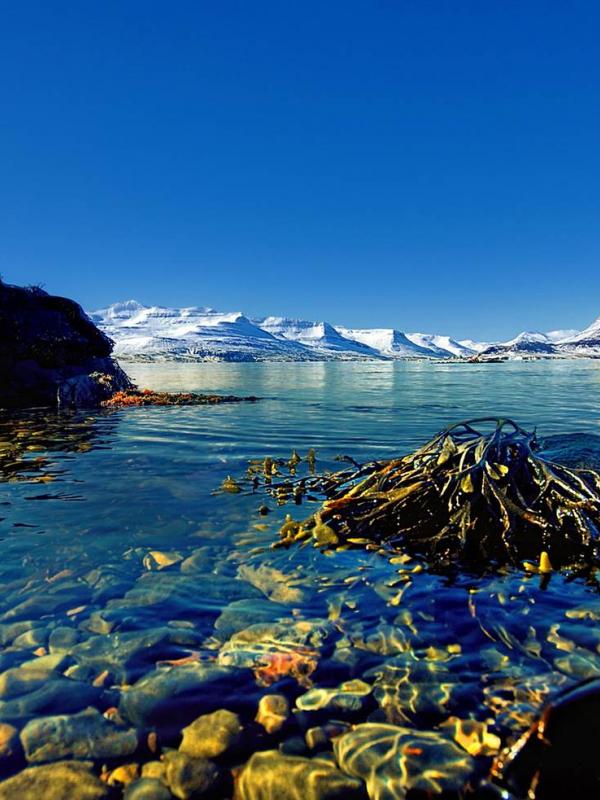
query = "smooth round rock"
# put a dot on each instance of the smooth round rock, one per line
(212, 735)
(147, 789)
(189, 777)
(273, 712)
(156, 770)
(64, 780)
(271, 774)
(168, 698)
(84, 735)
(393, 760)
(10, 747)
(62, 639)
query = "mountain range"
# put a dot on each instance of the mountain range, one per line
(156, 333)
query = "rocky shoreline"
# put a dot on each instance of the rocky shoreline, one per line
(52, 354)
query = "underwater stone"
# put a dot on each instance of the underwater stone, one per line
(84, 735)
(349, 697)
(43, 603)
(62, 639)
(189, 777)
(212, 735)
(393, 760)
(272, 774)
(203, 559)
(423, 691)
(9, 631)
(68, 695)
(53, 662)
(579, 666)
(274, 584)
(321, 737)
(36, 637)
(161, 559)
(473, 736)
(170, 697)
(155, 770)
(558, 756)
(10, 747)
(294, 746)
(240, 614)
(147, 789)
(284, 649)
(17, 681)
(273, 712)
(65, 780)
(129, 654)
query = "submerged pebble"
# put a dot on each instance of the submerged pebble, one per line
(189, 777)
(212, 735)
(271, 774)
(394, 760)
(147, 789)
(64, 780)
(348, 698)
(79, 736)
(10, 747)
(169, 698)
(273, 712)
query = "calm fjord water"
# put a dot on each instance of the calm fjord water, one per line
(86, 497)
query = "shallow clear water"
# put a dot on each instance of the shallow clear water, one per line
(86, 497)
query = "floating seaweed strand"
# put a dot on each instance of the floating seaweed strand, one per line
(465, 495)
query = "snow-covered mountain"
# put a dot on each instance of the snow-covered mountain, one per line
(388, 342)
(191, 334)
(559, 343)
(585, 343)
(442, 345)
(320, 337)
(476, 347)
(560, 335)
(525, 344)
(195, 333)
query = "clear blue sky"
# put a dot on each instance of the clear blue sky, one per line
(424, 165)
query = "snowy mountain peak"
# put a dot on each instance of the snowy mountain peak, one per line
(202, 333)
(591, 333)
(561, 335)
(529, 336)
(321, 336)
(442, 345)
(386, 341)
(122, 310)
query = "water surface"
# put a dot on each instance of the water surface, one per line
(85, 499)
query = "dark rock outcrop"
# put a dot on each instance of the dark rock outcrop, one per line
(558, 756)
(51, 353)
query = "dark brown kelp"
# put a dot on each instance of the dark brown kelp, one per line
(465, 495)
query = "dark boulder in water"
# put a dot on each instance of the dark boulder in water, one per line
(51, 353)
(558, 756)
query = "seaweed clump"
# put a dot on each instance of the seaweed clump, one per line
(147, 397)
(464, 496)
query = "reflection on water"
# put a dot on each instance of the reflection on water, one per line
(153, 596)
(33, 444)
